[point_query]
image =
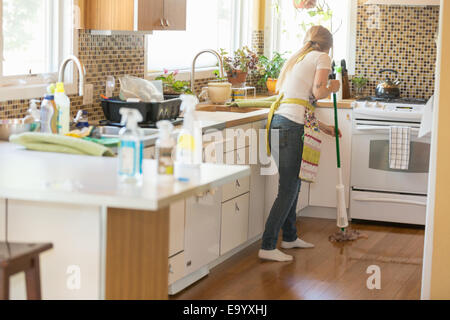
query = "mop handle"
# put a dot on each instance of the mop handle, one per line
(336, 125)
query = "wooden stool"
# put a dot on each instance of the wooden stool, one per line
(21, 257)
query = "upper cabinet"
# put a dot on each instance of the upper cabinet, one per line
(405, 2)
(132, 15)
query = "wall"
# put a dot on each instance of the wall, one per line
(404, 41)
(440, 277)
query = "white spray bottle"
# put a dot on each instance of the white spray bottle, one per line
(189, 143)
(165, 146)
(131, 149)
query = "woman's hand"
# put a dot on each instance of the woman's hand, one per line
(329, 130)
(334, 86)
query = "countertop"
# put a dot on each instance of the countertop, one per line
(73, 179)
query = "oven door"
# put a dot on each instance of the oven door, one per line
(370, 159)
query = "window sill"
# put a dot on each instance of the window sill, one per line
(185, 75)
(30, 91)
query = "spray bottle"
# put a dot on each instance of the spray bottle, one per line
(131, 147)
(62, 102)
(189, 143)
(164, 151)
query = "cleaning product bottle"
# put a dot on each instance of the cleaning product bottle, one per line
(189, 144)
(33, 116)
(81, 120)
(62, 102)
(164, 151)
(339, 94)
(131, 149)
(49, 114)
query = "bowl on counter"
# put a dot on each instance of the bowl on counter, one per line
(15, 126)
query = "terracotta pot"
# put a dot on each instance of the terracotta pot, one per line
(272, 86)
(305, 4)
(237, 78)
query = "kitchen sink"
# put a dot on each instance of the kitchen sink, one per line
(222, 108)
(113, 132)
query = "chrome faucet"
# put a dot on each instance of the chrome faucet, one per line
(221, 72)
(81, 72)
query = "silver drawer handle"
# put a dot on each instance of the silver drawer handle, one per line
(167, 23)
(237, 207)
(170, 269)
(162, 22)
(238, 184)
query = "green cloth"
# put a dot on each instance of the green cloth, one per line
(107, 142)
(254, 103)
(60, 144)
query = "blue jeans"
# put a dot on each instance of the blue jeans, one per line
(288, 156)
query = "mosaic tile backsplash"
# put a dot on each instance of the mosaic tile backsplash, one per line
(400, 38)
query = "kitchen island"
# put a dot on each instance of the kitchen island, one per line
(110, 241)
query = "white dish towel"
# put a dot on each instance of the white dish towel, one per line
(399, 148)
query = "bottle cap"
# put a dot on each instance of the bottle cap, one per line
(60, 87)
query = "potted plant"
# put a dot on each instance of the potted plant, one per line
(270, 69)
(359, 83)
(173, 86)
(239, 65)
(305, 4)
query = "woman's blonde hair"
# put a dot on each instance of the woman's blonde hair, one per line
(317, 38)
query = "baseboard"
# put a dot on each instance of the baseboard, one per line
(318, 212)
(188, 280)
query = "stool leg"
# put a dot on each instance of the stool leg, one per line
(4, 285)
(33, 280)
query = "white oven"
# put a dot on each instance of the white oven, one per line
(378, 192)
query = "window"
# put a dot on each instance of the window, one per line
(35, 35)
(290, 25)
(211, 24)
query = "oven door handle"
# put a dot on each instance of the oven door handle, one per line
(380, 128)
(390, 200)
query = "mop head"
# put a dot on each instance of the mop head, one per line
(346, 235)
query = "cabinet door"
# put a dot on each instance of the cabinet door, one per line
(234, 226)
(323, 192)
(151, 15)
(175, 14)
(176, 228)
(107, 14)
(177, 268)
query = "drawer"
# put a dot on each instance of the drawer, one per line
(234, 226)
(176, 268)
(238, 137)
(239, 186)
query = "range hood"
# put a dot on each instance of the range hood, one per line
(405, 2)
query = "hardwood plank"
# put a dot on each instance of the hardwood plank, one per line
(329, 271)
(137, 251)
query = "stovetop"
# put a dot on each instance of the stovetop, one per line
(149, 125)
(396, 101)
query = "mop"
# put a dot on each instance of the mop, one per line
(344, 234)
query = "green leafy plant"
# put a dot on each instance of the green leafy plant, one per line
(170, 82)
(243, 59)
(218, 77)
(270, 68)
(360, 82)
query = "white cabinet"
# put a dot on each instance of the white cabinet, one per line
(234, 224)
(257, 184)
(202, 231)
(176, 228)
(323, 191)
(177, 268)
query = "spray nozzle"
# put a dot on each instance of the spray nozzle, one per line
(130, 117)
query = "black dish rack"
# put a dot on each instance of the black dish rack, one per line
(152, 112)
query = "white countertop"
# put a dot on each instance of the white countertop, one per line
(73, 179)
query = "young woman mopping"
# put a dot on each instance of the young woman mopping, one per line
(303, 80)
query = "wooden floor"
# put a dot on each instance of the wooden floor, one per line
(329, 271)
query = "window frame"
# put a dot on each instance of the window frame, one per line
(242, 15)
(273, 27)
(36, 84)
